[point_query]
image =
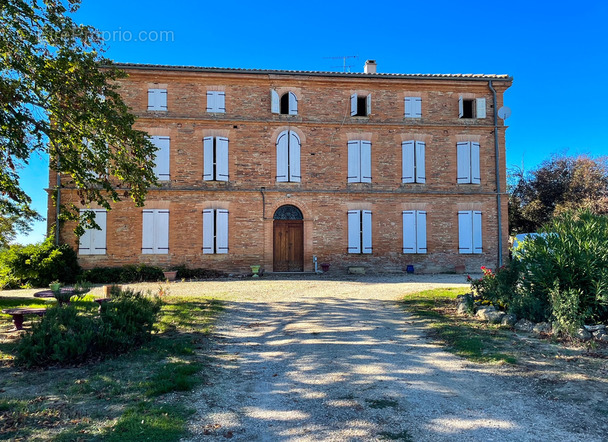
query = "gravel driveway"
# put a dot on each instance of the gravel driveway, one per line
(314, 359)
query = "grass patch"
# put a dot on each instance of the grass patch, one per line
(466, 337)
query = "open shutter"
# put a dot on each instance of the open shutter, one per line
(367, 231)
(84, 243)
(417, 107)
(465, 231)
(161, 167)
(283, 157)
(409, 107)
(147, 240)
(208, 231)
(420, 163)
(481, 107)
(221, 159)
(460, 107)
(477, 237)
(221, 231)
(353, 105)
(211, 105)
(409, 231)
(161, 232)
(162, 99)
(293, 104)
(420, 231)
(407, 166)
(366, 161)
(294, 157)
(368, 102)
(475, 172)
(208, 158)
(274, 101)
(354, 231)
(464, 162)
(98, 242)
(354, 162)
(220, 102)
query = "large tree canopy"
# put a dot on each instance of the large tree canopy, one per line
(557, 185)
(59, 96)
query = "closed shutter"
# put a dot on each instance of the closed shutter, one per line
(221, 231)
(211, 104)
(354, 162)
(161, 232)
(420, 162)
(208, 231)
(152, 99)
(147, 241)
(274, 101)
(460, 107)
(98, 243)
(477, 236)
(481, 107)
(475, 168)
(354, 231)
(464, 162)
(409, 231)
(283, 157)
(208, 159)
(84, 243)
(407, 161)
(293, 104)
(420, 231)
(367, 231)
(353, 105)
(368, 102)
(220, 102)
(366, 161)
(162, 99)
(161, 167)
(294, 157)
(221, 159)
(417, 107)
(409, 107)
(465, 231)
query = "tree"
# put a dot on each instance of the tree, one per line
(9, 226)
(560, 184)
(58, 96)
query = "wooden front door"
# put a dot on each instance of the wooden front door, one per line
(288, 246)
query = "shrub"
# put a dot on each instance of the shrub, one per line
(198, 273)
(128, 273)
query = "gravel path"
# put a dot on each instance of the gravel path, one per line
(315, 360)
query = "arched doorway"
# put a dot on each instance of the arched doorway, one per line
(288, 242)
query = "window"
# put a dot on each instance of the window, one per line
(216, 101)
(413, 162)
(161, 162)
(215, 231)
(359, 161)
(157, 99)
(288, 157)
(286, 105)
(215, 159)
(414, 231)
(468, 163)
(413, 107)
(93, 241)
(469, 231)
(359, 231)
(360, 106)
(155, 232)
(471, 107)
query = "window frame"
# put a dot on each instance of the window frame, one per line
(468, 162)
(217, 99)
(157, 99)
(478, 108)
(470, 232)
(160, 232)
(355, 109)
(415, 243)
(359, 157)
(359, 232)
(415, 107)
(94, 237)
(413, 162)
(215, 232)
(215, 158)
(288, 157)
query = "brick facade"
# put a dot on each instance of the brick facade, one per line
(324, 127)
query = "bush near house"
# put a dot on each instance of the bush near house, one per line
(561, 276)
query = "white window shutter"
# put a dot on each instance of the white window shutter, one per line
(353, 105)
(208, 159)
(420, 162)
(407, 159)
(354, 231)
(409, 107)
(163, 154)
(354, 161)
(368, 102)
(465, 231)
(221, 159)
(417, 107)
(220, 102)
(464, 162)
(147, 240)
(366, 223)
(293, 104)
(283, 156)
(477, 236)
(208, 231)
(366, 161)
(294, 157)
(162, 99)
(84, 243)
(211, 106)
(274, 101)
(475, 167)
(481, 107)
(420, 231)
(460, 107)
(409, 231)
(161, 232)
(98, 242)
(221, 231)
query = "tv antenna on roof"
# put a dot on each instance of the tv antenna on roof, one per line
(344, 65)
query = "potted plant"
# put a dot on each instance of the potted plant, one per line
(325, 266)
(62, 295)
(170, 275)
(255, 269)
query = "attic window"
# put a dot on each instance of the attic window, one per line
(285, 104)
(467, 108)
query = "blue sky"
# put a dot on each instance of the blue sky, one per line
(556, 52)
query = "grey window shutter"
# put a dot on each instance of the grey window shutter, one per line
(465, 231)
(417, 107)
(460, 107)
(409, 231)
(354, 231)
(162, 99)
(420, 231)
(477, 235)
(274, 101)
(366, 161)
(147, 241)
(163, 154)
(475, 166)
(221, 231)
(353, 105)
(293, 104)
(409, 107)
(221, 102)
(84, 242)
(294, 157)
(208, 165)
(407, 161)
(98, 242)
(211, 106)
(481, 107)
(420, 162)
(151, 99)
(208, 231)
(283, 156)
(368, 102)
(221, 159)
(366, 223)
(354, 161)
(161, 232)
(463, 162)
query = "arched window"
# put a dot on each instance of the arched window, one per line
(288, 211)
(288, 157)
(286, 105)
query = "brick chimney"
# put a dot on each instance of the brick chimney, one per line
(370, 67)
